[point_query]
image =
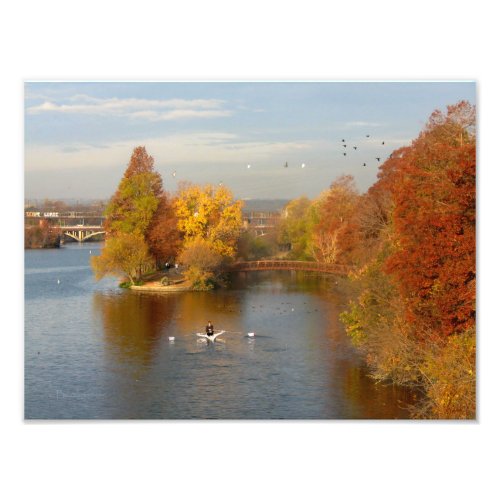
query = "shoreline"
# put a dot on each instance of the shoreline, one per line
(153, 283)
(156, 286)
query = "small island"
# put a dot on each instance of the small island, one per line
(147, 230)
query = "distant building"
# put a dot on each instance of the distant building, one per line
(260, 223)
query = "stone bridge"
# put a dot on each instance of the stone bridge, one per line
(81, 232)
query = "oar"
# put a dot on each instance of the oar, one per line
(249, 334)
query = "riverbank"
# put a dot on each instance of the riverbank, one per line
(156, 286)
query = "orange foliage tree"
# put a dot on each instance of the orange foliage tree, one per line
(414, 311)
(434, 223)
(334, 236)
(163, 237)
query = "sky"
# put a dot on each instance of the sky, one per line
(79, 136)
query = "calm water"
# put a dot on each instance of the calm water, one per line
(93, 351)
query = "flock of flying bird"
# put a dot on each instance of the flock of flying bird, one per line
(303, 165)
(378, 158)
(344, 152)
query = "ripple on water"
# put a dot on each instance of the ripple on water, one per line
(105, 353)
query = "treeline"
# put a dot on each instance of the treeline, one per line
(48, 205)
(147, 228)
(411, 242)
(42, 236)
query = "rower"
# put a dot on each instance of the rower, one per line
(209, 329)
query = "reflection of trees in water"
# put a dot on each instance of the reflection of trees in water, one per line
(366, 398)
(372, 400)
(194, 309)
(133, 323)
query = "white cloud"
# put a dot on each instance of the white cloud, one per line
(147, 109)
(357, 124)
(180, 114)
(219, 148)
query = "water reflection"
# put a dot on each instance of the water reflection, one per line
(299, 365)
(132, 324)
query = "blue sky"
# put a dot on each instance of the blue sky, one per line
(79, 136)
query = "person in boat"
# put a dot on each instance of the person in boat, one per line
(209, 329)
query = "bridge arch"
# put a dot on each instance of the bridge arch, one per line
(82, 235)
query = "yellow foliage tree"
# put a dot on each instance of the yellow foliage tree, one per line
(124, 254)
(211, 214)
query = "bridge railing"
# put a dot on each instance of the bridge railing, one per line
(262, 265)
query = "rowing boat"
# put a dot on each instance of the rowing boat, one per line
(211, 338)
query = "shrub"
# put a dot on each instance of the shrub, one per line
(165, 281)
(203, 264)
(449, 373)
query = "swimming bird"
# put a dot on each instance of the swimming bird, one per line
(343, 140)
(174, 173)
(248, 166)
(355, 147)
(345, 145)
(171, 339)
(378, 159)
(345, 154)
(303, 165)
(251, 334)
(58, 282)
(367, 135)
(383, 142)
(364, 164)
(220, 183)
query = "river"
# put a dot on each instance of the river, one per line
(94, 351)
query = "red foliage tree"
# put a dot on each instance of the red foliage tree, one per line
(433, 191)
(163, 237)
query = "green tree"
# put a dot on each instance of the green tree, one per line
(296, 226)
(133, 206)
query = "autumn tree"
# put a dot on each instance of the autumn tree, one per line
(334, 237)
(136, 200)
(435, 223)
(414, 311)
(141, 212)
(42, 236)
(210, 222)
(295, 228)
(124, 254)
(203, 263)
(211, 214)
(163, 236)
